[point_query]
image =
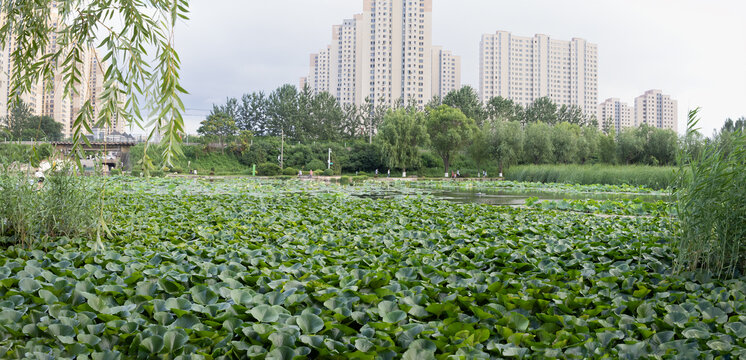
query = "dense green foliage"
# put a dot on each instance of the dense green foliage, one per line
(639, 175)
(544, 133)
(711, 200)
(33, 212)
(243, 270)
(402, 132)
(48, 39)
(19, 124)
(27, 154)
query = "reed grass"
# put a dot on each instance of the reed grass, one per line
(653, 177)
(711, 206)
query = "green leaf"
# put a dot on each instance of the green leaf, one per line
(174, 340)
(28, 285)
(518, 322)
(309, 323)
(265, 313)
(394, 316)
(153, 344)
(202, 295)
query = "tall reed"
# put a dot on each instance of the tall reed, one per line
(711, 204)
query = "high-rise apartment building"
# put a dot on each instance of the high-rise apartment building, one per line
(48, 98)
(616, 113)
(524, 69)
(446, 72)
(655, 109)
(385, 55)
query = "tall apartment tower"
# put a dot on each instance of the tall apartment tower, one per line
(524, 69)
(655, 109)
(48, 98)
(446, 72)
(617, 113)
(384, 55)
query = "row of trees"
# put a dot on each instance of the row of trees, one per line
(497, 134)
(447, 131)
(301, 115)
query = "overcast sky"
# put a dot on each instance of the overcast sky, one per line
(693, 50)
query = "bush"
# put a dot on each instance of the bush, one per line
(328, 172)
(290, 171)
(318, 172)
(115, 171)
(316, 164)
(344, 180)
(157, 173)
(268, 169)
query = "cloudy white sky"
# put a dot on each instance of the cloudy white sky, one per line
(694, 50)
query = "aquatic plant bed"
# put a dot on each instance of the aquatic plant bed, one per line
(533, 187)
(238, 269)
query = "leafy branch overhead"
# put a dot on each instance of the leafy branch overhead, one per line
(141, 69)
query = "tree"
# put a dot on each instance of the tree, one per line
(373, 116)
(565, 142)
(541, 110)
(253, 113)
(450, 130)
(352, 121)
(502, 109)
(607, 147)
(572, 114)
(537, 147)
(130, 32)
(588, 144)
(479, 148)
(283, 112)
(326, 118)
(219, 126)
(399, 138)
(22, 126)
(631, 146)
(660, 146)
(466, 99)
(507, 143)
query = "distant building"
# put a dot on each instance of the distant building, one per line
(384, 54)
(655, 109)
(615, 112)
(524, 69)
(446, 72)
(48, 98)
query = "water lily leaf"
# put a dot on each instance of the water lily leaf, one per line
(394, 317)
(28, 285)
(174, 339)
(309, 323)
(152, 344)
(203, 295)
(265, 313)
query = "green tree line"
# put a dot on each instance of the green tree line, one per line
(457, 130)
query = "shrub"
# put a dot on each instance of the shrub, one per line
(115, 172)
(344, 180)
(637, 175)
(268, 169)
(318, 172)
(328, 172)
(290, 171)
(157, 173)
(316, 164)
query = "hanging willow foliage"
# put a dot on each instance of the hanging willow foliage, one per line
(48, 39)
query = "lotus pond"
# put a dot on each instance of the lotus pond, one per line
(241, 269)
